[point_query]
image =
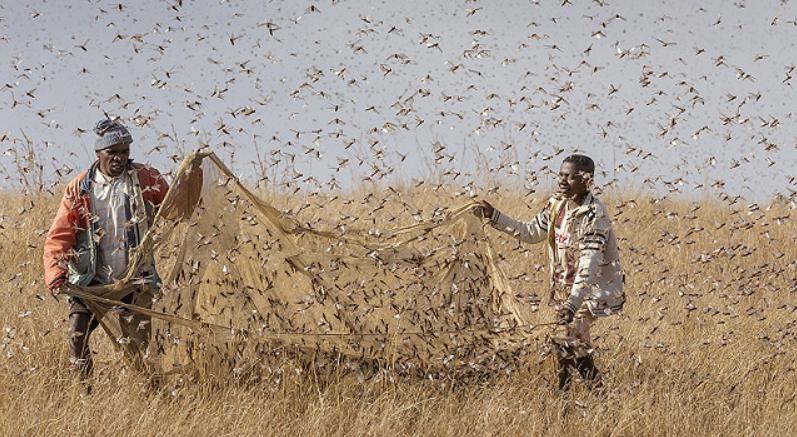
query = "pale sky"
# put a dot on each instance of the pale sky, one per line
(663, 94)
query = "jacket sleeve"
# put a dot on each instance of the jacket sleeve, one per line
(592, 246)
(530, 232)
(60, 240)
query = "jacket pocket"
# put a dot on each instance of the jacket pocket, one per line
(82, 263)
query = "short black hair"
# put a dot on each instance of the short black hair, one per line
(583, 162)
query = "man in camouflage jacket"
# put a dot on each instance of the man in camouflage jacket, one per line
(585, 275)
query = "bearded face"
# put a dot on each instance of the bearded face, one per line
(113, 160)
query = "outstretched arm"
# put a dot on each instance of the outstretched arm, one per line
(530, 232)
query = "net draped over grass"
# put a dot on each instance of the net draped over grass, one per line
(241, 280)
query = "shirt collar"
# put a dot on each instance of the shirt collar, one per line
(559, 200)
(103, 179)
(584, 207)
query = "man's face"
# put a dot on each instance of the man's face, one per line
(572, 181)
(113, 160)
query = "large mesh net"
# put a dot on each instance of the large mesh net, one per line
(241, 280)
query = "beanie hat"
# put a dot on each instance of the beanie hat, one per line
(111, 133)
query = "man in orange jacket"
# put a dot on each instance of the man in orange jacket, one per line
(104, 213)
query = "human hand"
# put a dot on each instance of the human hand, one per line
(565, 315)
(55, 286)
(484, 210)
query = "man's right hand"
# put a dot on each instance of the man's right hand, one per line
(484, 210)
(564, 315)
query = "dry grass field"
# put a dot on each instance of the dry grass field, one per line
(706, 345)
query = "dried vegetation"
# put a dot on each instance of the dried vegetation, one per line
(706, 344)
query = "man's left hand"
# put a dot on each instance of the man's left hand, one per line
(565, 315)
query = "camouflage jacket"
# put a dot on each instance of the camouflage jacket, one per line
(599, 279)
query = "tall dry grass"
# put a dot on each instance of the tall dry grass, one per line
(706, 345)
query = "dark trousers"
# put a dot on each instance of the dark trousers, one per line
(585, 367)
(82, 322)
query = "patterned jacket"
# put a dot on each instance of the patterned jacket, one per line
(71, 250)
(599, 278)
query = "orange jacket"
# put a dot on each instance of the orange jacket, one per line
(72, 222)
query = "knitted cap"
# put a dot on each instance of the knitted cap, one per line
(111, 133)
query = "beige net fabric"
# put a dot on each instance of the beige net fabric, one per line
(241, 281)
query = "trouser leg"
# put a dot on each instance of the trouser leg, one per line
(585, 362)
(590, 373)
(80, 327)
(136, 327)
(563, 370)
(572, 344)
(559, 345)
